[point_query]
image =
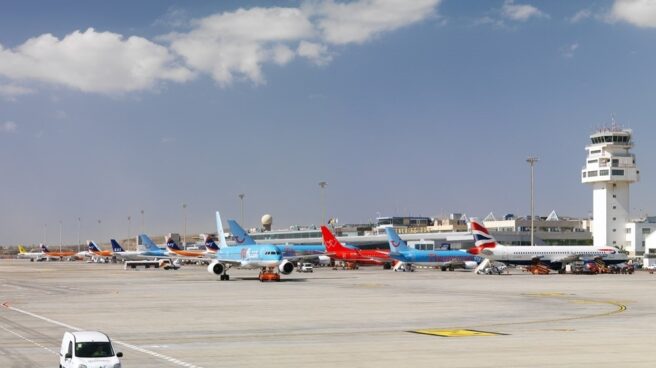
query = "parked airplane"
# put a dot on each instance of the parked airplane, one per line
(32, 256)
(151, 249)
(127, 255)
(57, 255)
(268, 258)
(174, 249)
(288, 251)
(353, 257)
(445, 259)
(553, 256)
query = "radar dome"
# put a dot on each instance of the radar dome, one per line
(267, 220)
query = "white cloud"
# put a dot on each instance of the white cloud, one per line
(228, 46)
(359, 21)
(174, 17)
(521, 12)
(238, 43)
(92, 62)
(487, 20)
(8, 127)
(11, 91)
(316, 52)
(568, 51)
(641, 13)
(581, 15)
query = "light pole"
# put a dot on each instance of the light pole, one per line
(61, 226)
(531, 161)
(323, 184)
(100, 230)
(129, 228)
(45, 233)
(184, 236)
(241, 197)
(142, 221)
(79, 220)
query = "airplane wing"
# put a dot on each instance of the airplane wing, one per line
(305, 257)
(231, 262)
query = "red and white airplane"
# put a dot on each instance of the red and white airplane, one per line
(351, 256)
(553, 256)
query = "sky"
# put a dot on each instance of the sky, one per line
(419, 108)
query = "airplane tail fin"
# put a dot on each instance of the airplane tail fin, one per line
(44, 249)
(21, 249)
(219, 231)
(482, 238)
(147, 242)
(116, 247)
(93, 247)
(240, 235)
(330, 241)
(171, 244)
(396, 244)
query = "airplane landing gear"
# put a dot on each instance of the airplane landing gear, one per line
(225, 277)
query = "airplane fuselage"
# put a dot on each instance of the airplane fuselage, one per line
(433, 258)
(555, 256)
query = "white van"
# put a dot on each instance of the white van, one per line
(88, 349)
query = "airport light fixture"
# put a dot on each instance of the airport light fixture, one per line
(241, 197)
(79, 220)
(142, 221)
(531, 161)
(129, 228)
(323, 184)
(184, 236)
(100, 230)
(45, 233)
(61, 226)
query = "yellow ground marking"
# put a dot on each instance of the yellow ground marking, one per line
(619, 308)
(456, 333)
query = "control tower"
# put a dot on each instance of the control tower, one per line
(610, 168)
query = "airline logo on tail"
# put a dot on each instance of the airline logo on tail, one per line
(332, 244)
(44, 248)
(397, 245)
(21, 249)
(171, 244)
(211, 246)
(239, 240)
(116, 247)
(482, 238)
(93, 247)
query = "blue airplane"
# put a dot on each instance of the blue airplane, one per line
(151, 249)
(266, 257)
(288, 251)
(445, 259)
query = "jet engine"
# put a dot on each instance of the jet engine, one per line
(470, 265)
(216, 268)
(286, 267)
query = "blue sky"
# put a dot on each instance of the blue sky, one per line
(423, 108)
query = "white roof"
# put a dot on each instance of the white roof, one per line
(82, 336)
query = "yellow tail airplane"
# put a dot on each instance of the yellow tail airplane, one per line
(24, 254)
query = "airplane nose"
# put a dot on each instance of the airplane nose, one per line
(473, 250)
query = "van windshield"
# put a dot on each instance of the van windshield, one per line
(94, 349)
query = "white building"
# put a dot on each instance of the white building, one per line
(610, 169)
